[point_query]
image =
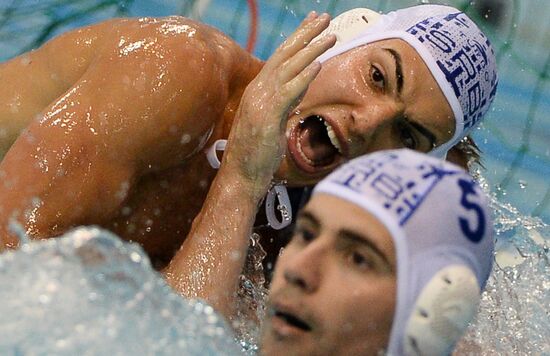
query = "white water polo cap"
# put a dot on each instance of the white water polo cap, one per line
(442, 233)
(459, 56)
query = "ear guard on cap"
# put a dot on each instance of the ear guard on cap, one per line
(442, 312)
(350, 24)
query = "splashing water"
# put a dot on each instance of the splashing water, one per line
(514, 313)
(90, 293)
(252, 298)
(63, 295)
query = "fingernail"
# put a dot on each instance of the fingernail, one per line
(311, 14)
(332, 37)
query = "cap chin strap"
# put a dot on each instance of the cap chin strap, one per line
(277, 191)
(442, 312)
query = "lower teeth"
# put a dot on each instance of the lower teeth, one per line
(303, 155)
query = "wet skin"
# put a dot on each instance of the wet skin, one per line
(370, 107)
(128, 107)
(334, 288)
(120, 106)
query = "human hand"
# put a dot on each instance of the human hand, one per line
(257, 142)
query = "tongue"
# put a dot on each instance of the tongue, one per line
(315, 143)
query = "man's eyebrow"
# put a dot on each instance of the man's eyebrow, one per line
(304, 214)
(398, 68)
(424, 131)
(399, 75)
(363, 240)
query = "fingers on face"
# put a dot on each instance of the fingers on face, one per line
(311, 16)
(304, 57)
(293, 90)
(308, 30)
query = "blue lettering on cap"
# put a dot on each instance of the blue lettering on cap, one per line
(464, 66)
(399, 195)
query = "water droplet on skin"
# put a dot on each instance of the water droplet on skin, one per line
(15, 104)
(235, 255)
(25, 60)
(131, 228)
(186, 138)
(123, 191)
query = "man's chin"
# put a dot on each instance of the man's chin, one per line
(292, 176)
(271, 345)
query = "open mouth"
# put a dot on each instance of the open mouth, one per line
(315, 145)
(292, 320)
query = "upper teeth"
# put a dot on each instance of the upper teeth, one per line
(333, 138)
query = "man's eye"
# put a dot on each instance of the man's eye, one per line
(407, 138)
(304, 234)
(359, 261)
(377, 78)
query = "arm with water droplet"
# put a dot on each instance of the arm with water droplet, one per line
(133, 110)
(210, 260)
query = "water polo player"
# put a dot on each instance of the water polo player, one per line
(220, 229)
(390, 254)
(112, 121)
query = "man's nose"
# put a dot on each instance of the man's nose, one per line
(304, 269)
(368, 118)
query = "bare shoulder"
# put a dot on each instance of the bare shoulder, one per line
(154, 80)
(178, 43)
(167, 75)
(160, 77)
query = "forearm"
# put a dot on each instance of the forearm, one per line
(210, 260)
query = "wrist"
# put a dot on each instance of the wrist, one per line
(245, 186)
